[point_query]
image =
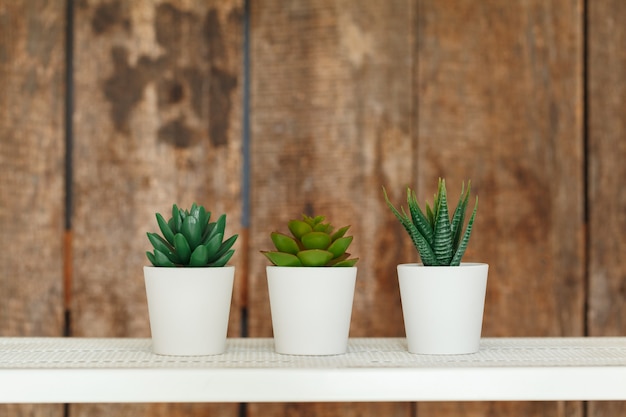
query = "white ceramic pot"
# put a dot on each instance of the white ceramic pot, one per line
(443, 307)
(311, 308)
(189, 309)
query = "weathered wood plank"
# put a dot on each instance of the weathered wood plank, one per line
(499, 101)
(606, 197)
(330, 120)
(158, 93)
(31, 183)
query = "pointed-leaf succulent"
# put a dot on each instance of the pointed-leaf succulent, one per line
(312, 243)
(439, 239)
(190, 239)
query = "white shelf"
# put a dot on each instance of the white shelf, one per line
(75, 370)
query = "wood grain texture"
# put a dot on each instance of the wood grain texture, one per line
(607, 171)
(31, 183)
(158, 116)
(499, 101)
(330, 121)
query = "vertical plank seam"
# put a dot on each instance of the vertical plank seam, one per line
(68, 271)
(585, 161)
(69, 145)
(414, 17)
(245, 182)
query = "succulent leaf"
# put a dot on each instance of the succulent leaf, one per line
(424, 247)
(199, 257)
(442, 245)
(168, 234)
(339, 233)
(316, 240)
(163, 246)
(323, 228)
(347, 262)
(226, 245)
(212, 247)
(204, 217)
(318, 219)
(182, 248)
(430, 215)
(161, 259)
(220, 226)
(456, 261)
(223, 260)
(339, 246)
(282, 259)
(176, 219)
(151, 258)
(285, 243)
(195, 211)
(458, 218)
(192, 230)
(423, 224)
(299, 228)
(314, 257)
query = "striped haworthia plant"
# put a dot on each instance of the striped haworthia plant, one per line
(439, 239)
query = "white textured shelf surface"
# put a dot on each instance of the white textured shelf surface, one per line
(74, 370)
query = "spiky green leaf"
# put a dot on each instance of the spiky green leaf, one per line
(442, 245)
(419, 241)
(419, 219)
(456, 261)
(458, 218)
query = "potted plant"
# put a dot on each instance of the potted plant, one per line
(442, 298)
(189, 285)
(311, 288)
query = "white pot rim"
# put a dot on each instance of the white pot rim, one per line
(421, 265)
(179, 268)
(321, 268)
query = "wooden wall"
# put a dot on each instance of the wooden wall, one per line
(526, 98)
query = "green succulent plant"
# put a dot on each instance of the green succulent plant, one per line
(437, 237)
(312, 243)
(190, 239)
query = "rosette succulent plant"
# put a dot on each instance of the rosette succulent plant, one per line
(190, 239)
(439, 239)
(312, 243)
